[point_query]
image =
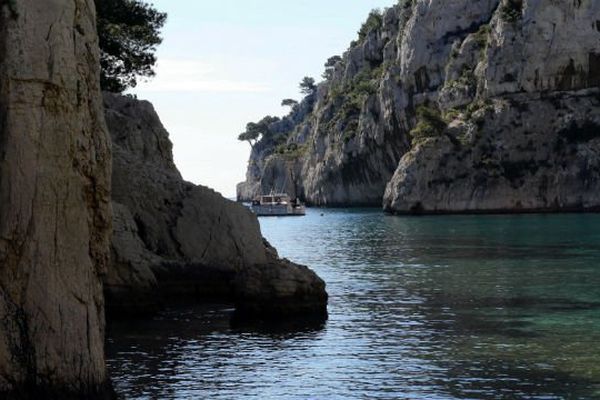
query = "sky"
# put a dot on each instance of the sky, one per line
(224, 63)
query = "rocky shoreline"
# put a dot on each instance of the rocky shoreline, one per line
(175, 240)
(461, 107)
(86, 226)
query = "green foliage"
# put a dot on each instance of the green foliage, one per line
(129, 33)
(406, 3)
(289, 103)
(467, 78)
(254, 130)
(477, 106)
(379, 72)
(511, 10)
(374, 21)
(332, 61)
(351, 98)
(350, 130)
(308, 86)
(482, 35)
(291, 150)
(451, 114)
(250, 137)
(454, 53)
(330, 66)
(429, 123)
(365, 82)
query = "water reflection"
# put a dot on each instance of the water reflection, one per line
(420, 308)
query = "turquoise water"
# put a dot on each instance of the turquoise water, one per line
(461, 307)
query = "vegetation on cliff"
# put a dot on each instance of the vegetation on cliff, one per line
(355, 91)
(129, 33)
(433, 84)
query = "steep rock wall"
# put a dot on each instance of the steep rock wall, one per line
(521, 105)
(54, 202)
(176, 239)
(450, 106)
(345, 138)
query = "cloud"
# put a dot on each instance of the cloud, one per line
(195, 76)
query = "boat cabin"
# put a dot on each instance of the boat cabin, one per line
(278, 204)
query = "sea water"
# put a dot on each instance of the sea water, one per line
(444, 307)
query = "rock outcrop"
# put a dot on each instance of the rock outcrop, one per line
(54, 202)
(451, 106)
(175, 239)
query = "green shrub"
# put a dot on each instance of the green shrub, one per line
(467, 78)
(482, 35)
(374, 21)
(291, 150)
(352, 96)
(429, 123)
(476, 106)
(350, 131)
(451, 115)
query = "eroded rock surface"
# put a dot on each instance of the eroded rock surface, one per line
(521, 102)
(176, 239)
(54, 202)
(450, 106)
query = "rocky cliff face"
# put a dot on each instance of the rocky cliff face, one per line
(453, 106)
(54, 202)
(175, 238)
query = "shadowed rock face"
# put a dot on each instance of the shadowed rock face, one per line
(515, 82)
(54, 202)
(173, 239)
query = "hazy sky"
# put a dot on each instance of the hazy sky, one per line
(224, 63)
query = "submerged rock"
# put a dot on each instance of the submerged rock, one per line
(54, 202)
(173, 239)
(450, 106)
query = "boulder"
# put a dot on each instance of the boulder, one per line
(175, 240)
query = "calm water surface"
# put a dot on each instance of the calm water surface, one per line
(463, 307)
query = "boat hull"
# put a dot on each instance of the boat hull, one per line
(278, 211)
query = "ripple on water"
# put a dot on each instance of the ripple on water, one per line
(479, 307)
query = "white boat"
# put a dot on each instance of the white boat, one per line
(277, 205)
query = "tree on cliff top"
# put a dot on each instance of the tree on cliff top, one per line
(308, 86)
(330, 66)
(291, 103)
(374, 21)
(129, 32)
(254, 130)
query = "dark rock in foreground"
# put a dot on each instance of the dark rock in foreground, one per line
(174, 240)
(54, 203)
(296, 289)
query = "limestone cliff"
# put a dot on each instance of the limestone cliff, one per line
(54, 202)
(451, 106)
(175, 238)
